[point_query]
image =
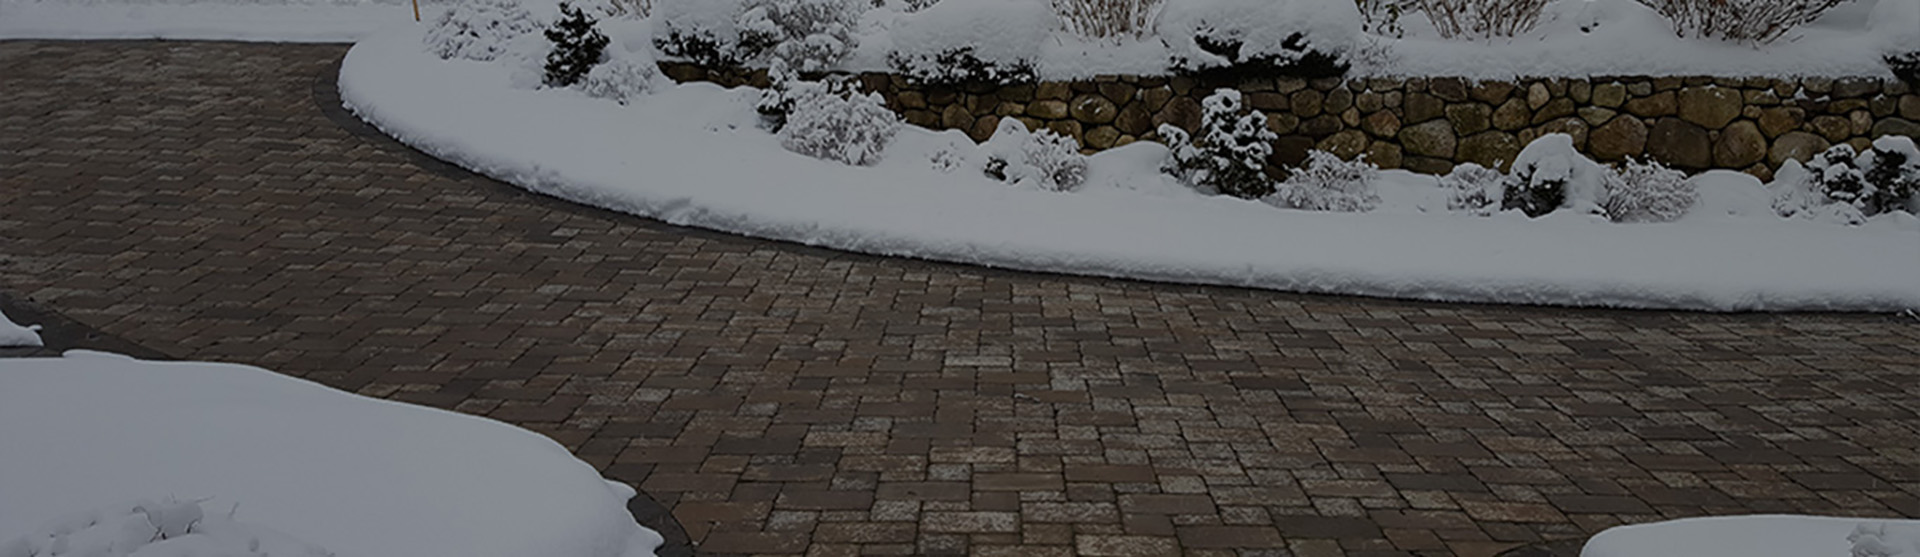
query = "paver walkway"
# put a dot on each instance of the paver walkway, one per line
(194, 198)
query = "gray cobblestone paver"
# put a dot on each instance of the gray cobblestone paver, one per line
(786, 400)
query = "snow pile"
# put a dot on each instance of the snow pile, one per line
(358, 476)
(165, 528)
(1474, 189)
(1549, 174)
(1759, 536)
(1650, 192)
(16, 335)
(479, 29)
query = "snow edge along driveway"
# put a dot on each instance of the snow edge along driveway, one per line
(676, 157)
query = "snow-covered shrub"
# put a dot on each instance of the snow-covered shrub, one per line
(1474, 189)
(1905, 66)
(1042, 158)
(705, 32)
(1649, 192)
(1751, 21)
(1794, 190)
(972, 41)
(1230, 154)
(577, 47)
(1327, 183)
(1550, 174)
(621, 79)
(836, 122)
(1106, 19)
(478, 29)
(809, 35)
(1884, 179)
(1481, 19)
(1229, 38)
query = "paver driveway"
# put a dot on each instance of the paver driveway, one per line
(193, 197)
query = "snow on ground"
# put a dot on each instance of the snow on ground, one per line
(279, 21)
(1760, 536)
(15, 335)
(693, 155)
(125, 446)
(1574, 38)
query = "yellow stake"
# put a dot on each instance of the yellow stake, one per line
(416, 10)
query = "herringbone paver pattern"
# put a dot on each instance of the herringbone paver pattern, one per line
(786, 400)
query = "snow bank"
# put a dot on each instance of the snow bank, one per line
(1760, 536)
(16, 335)
(692, 155)
(165, 528)
(358, 476)
(283, 21)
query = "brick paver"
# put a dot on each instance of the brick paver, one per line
(192, 197)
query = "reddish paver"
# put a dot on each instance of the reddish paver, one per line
(192, 197)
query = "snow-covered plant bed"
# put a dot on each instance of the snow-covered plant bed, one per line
(1327, 183)
(15, 335)
(1753, 21)
(1306, 38)
(1760, 536)
(828, 120)
(699, 155)
(248, 452)
(1229, 155)
(807, 35)
(1884, 179)
(1042, 159)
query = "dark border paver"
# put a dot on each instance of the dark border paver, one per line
(785, 400)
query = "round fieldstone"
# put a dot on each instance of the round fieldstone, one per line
(1346, 145)
(1618, 139)
(1492, 149)
(1102, 137)
(1422, 107)
(1574, 127)
(1469, 118)
(1799, 146)
(1740, 145)
(1282, 123)
(1679, 143)
(1182, 112)
(1430, 139)
(1268, 100)
(1595, 116)
(1610, 95)
(1382, 124)
(1834, 128)
(1116, 91)
(1134, 119)
(1557, 108)
(1306, 103)
(1156, 98)
(1492, 92)
(1537, 95)
(1093, 109)
(1053, 91)
(984, 127)
(1512, 115)
(1321, 126)
(956, 117)
(1385, 154)
(1780, 119)
(1709, 107)
(1896, 126)
(1655, 105)
(1910, 107)
(1048, 110)
(1338, 100)
(1369, 101)
(1450, 89)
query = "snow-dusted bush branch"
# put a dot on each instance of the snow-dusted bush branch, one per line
(1327, 183)
(1883, 179)
(1042, 158)
(1480, 19)
(1382, 17)
(809, 35)
(1474, 189)
(478, 29)
(1230, 154)
(972, 41)
(1649, 192)
(1104, 19)
(831, 120)
(578, 46)
(1753, 21)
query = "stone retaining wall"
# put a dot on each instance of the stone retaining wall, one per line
(1430, 125)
